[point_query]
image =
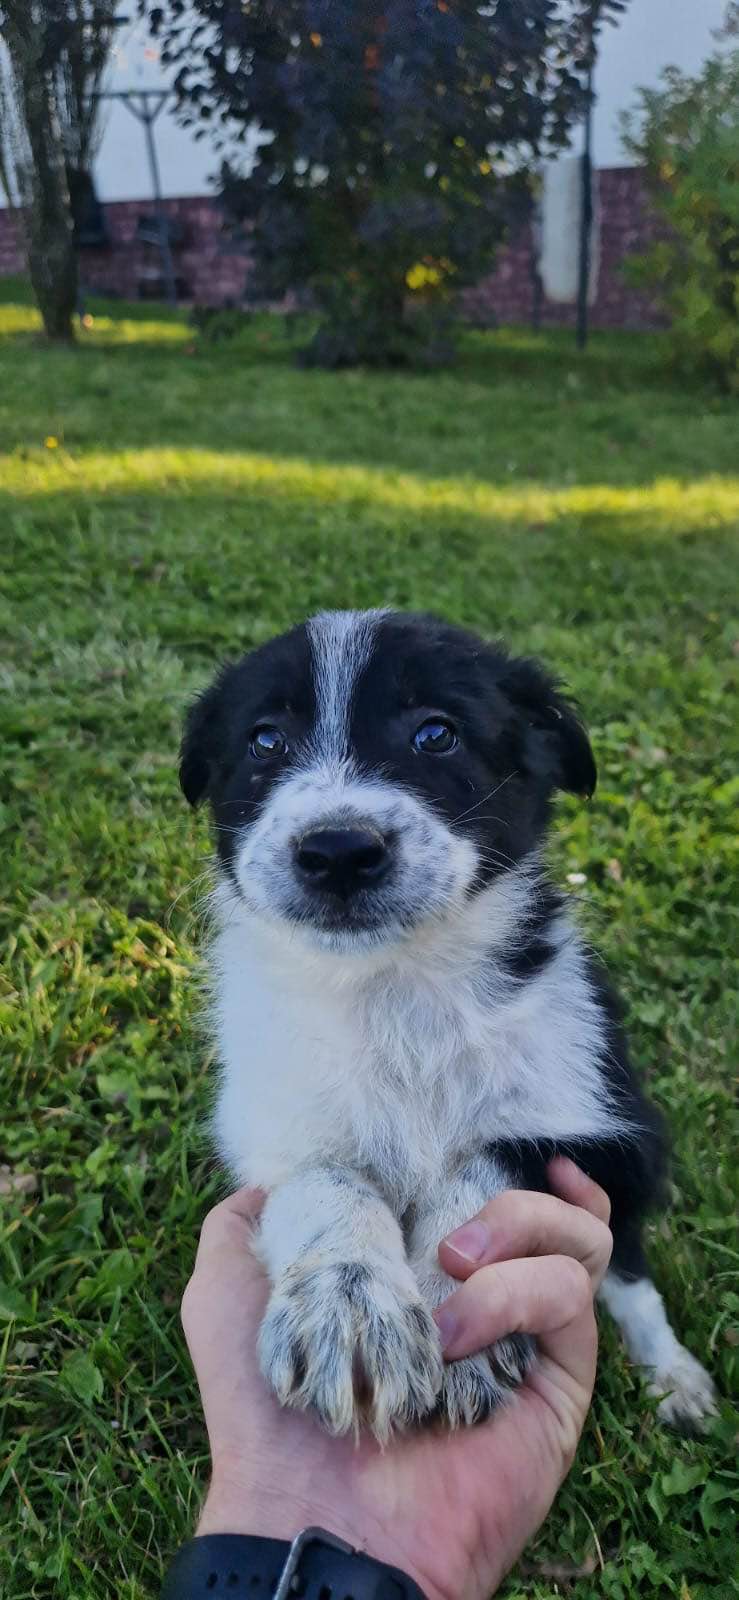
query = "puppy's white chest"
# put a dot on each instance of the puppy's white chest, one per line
(304, 1082)
(397, 1075)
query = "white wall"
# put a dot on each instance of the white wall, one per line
(121, 169)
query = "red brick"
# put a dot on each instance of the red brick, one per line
(216, 272)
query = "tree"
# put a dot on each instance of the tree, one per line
(403, 138)
(52, 57)
(685, 136)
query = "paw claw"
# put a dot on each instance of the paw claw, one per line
(353, 1346)
(475, 1386)
(688, 1394)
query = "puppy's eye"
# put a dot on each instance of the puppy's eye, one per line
(435, 738)
(267, 744)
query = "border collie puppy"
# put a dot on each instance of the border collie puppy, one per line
(407, 1019)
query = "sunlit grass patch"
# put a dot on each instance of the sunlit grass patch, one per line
(668, 504)
(105, 320)
(101, 330)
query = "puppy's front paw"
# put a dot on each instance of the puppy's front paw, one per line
(475, 1386)
(689, 1397)
(354, 1344)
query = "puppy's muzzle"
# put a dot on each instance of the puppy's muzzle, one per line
(342, 861)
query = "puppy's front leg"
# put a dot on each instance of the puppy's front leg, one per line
(346, 1330)
(475, 1385)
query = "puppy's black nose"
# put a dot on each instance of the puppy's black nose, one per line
(342, 860)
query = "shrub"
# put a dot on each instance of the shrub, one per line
(397, 134)
(686, 136)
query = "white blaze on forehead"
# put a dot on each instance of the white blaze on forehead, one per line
(341, 644)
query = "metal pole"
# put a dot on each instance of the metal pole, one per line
(148, 118)
(143, 114)
(537, 286)
(586, 214)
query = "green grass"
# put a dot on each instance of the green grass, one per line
(163, 503)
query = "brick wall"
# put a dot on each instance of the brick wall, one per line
(11, 255)
(628, 223)
(208, 267)
(212, 270)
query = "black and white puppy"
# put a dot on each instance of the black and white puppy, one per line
(407, 1019)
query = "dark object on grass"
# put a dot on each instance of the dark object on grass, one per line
(216, 324)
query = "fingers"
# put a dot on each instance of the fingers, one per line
(222, 1307)
(572, 1184)
(531, 1263)
(551, 1297)
(519, 1223)
(245, 1204)
(232, 1218)
(224, 1263)
(512, 1297)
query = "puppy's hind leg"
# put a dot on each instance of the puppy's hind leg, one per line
(687, 1394)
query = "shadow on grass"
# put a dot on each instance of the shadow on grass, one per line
(622, 360)
(209, 569)
(523, 428)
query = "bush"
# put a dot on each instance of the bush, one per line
(215, 324)
(686, 136)
(402, 139)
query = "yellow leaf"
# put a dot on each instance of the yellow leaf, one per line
(51, 443)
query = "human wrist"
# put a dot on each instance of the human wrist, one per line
(235, 1504)
(315, 1563)
(241, 1500)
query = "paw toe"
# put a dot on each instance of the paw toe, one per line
(470, 1392)
(353, 1350)
(511, 1358)
(281, 1355)
(688, 1395)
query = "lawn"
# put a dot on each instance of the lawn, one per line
(164, 503)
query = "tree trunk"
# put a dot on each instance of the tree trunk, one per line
(42, 178)
(52, 258)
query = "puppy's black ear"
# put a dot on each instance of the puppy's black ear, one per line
(557, 743)
(200, 745)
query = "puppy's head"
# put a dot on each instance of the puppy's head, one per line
(370, 771)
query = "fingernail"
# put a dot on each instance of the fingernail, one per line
(470, 1241)
(448, 1324)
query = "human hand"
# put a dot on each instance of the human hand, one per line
(453, 1510)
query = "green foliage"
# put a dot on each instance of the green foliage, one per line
(402, 136)
(686, 136)
(164, 504)
(53, 55)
